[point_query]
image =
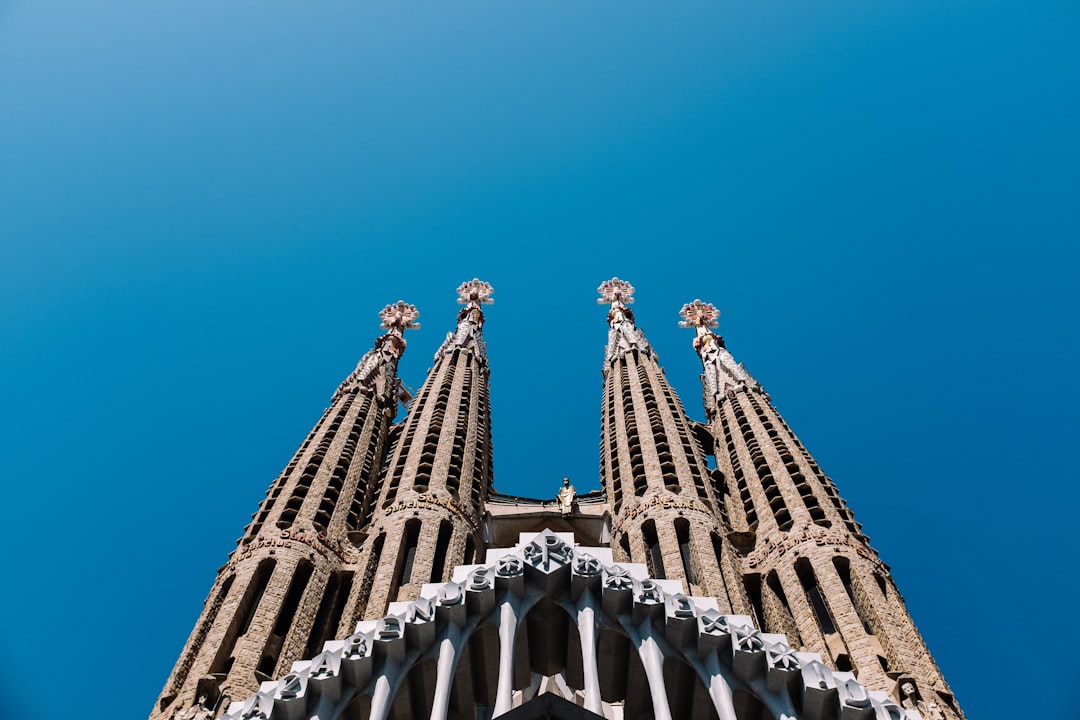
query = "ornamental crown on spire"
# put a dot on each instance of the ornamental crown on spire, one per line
(615, 291)
(623, 335)
(366, 378)
(399, 316)
(699, 315)
(475, 291)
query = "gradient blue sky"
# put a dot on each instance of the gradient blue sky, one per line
(203, 205)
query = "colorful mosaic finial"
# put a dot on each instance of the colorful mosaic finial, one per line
(699, 315)
(475, 292)
(399, 316)
(615, 291)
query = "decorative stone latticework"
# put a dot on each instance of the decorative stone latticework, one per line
(652, 466)
(383, 579)
(805, 564)
(549, 617)
(427, 517)
(283, 590)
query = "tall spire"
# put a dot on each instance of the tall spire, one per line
(438, 472)
(301, 538)
(721, 375)
(652, 466)
(470, 320)
(806, 568)
(623, 335)
(366, 378)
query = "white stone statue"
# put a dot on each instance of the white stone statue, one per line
(565, 498)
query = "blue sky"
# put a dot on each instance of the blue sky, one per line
(203, 205)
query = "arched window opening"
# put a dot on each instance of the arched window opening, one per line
(843, 569)
(470, 550)
(682, 533)
(624, 545)
(329, 614)
(813, 595)
(718, 549)
(203, 630)
(654, 556)
(442, 546)
(786, 622)
(366, 581)
(406, 558)
(274, 643)
(752, 583)
(245, 611)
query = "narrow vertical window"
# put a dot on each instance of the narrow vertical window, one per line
(200, 634)
(245, 611)
(718, 550)
(682, 533)
(843, 569)
(407, 557)
(624, 543)
(787, 625)
(653, 554)
(752, 583)
(470, 551)
(295, 593)
(442, 545)
(814, 596)
(329, 613)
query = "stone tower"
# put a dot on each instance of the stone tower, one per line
(427, 517)
(283, 591)
(653, 468)
(383, 578)
(805, 564)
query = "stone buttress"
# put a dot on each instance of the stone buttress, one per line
(653, 468)
(282, 593)
(807, 568)
(437, 475)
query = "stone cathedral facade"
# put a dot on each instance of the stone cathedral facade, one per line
(382, 577)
